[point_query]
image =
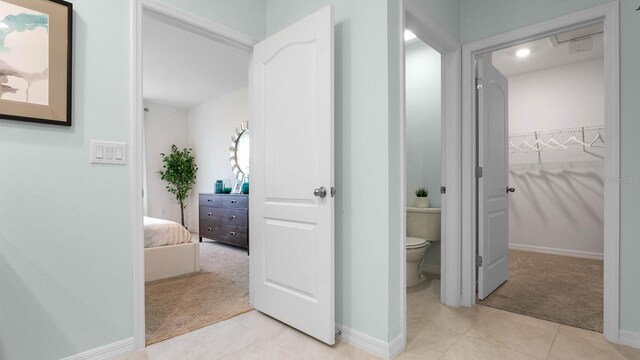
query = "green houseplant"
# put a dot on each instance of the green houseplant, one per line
(422, 200)
(179, 171)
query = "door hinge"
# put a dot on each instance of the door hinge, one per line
(478, 83)
(478, 261)
(333, 191)
(443, 189)
(479, 171)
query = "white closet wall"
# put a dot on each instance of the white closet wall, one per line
(558, 205)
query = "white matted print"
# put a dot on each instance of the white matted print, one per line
(35, 60)
(24, 54)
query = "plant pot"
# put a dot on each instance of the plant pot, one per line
(422, 202)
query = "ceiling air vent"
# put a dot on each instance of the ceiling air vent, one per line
(579, 40)
(581, 45)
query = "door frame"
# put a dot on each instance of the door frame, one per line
(608, 14)
(413, 17)
(190, 22)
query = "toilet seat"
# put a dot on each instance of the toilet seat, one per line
(414, 243)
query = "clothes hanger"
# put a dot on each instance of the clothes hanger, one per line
(540, 142)
(599, 137)
(555, 142)
(515, 146)
(574, 139)
(529, 146)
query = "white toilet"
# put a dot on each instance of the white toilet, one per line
(423, 228)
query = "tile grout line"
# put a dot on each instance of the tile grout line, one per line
(504, 347)
(553, 342)
(450, 346)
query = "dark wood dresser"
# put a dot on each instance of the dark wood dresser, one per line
(225, 218)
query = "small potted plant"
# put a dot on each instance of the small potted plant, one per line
(422, 200)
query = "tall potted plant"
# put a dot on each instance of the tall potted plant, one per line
(180, 173)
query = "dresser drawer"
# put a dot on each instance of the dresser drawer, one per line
(235, 201)
(210, 200)
(224, 216)
(236, 235)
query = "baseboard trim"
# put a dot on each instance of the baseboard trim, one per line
(630, 338)
(396, 346)
(370, 344)
(106, 352)
(555, 251)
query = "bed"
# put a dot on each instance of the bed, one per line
(169, 250)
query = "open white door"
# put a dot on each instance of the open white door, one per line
(292, 174)
(493, 211)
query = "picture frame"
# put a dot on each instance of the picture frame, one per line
(36, 47)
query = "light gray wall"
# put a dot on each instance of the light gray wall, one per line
(211, 126)
(483, 18)
(445, 13)
(423, 126)
(164, 125)
(362, 172)
(65, 244)
(559, 198)
(246, 16)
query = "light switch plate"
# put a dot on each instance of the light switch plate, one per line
(108, 152)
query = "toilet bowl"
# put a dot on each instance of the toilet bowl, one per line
(416, 250)
(423, 228)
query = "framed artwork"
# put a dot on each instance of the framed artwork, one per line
(35, 60)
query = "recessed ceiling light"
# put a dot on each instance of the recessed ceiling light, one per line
(408, 35)
(522, 53)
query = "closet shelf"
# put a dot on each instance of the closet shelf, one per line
(580, 138)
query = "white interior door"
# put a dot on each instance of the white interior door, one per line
(292, 174)
(493, 211)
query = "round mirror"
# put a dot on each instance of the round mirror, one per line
(240, 152)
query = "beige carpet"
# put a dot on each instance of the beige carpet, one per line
(561, 289)
(218, 292)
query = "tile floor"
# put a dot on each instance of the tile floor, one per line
(434, 332)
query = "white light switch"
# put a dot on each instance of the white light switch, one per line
(107, 152)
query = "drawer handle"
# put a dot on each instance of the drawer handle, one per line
(209, 214)
(232, 217)
(234, 201)
(209, 229)
(232, 233)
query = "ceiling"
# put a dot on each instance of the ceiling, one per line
(544, 55)
(184, 69)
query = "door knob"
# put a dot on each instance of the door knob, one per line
(510, 189)
(320, 192)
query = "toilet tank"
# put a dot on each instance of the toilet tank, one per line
(423, 223)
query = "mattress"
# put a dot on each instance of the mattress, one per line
(159, 232)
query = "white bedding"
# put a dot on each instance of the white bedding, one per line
(158, 232)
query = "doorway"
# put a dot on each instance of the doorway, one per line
(608, 15)
(295, 63)
(555, 193)
(423, 139)
(195, 100)
(440, 83)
